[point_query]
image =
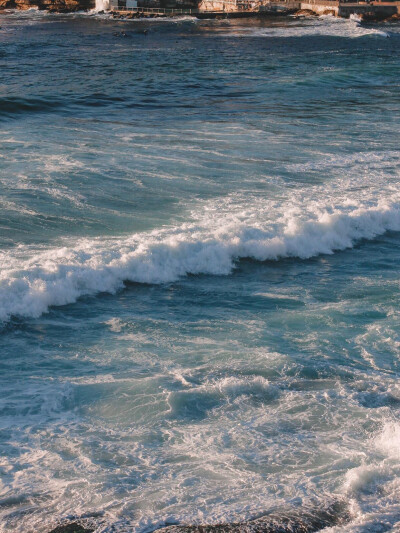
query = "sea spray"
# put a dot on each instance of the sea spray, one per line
(102, 5)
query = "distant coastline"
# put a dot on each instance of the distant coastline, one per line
(375, 11)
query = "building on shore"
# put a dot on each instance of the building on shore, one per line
(366, 9)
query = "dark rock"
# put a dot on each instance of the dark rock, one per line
(392, 18)
(375, 16)
(72, 527)
(295, 521)
(6, 4)
(53, 6)
(24, 4)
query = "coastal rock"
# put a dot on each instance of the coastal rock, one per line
(25, 4)
(62, 6)
(306, 13)
(301, 521)
(375, 16)
(394, 18)
(6, 4)
(72, 527)
(53, 6)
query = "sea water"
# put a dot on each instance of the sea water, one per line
(200, 250)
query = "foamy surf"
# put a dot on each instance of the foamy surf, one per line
(378, 473)
(33, 280)
(324, 25)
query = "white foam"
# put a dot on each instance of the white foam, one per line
(323, 25)
(364, 478)
(102, 5)
(388, 441)
(115, 324)
(373, 487)
(32, 280)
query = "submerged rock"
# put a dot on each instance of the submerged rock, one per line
(73, 527)
(282, 520)
(295, 521)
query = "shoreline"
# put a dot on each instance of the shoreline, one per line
(143, 14)
(299, 14)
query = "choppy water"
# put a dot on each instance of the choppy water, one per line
(200, 250)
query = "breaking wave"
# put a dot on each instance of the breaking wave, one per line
(325, 25)
(32, 280)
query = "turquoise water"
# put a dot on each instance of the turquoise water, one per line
(199, 295)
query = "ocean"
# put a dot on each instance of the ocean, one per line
(199, 282)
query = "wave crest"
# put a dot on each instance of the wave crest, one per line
(30, 284)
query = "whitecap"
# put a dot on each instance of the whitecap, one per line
(32, 280)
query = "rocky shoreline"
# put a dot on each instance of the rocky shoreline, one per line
(363, 17)
(299, 14)
(52, 6)
(71, 6)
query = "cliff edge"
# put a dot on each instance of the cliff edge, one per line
(55, 6)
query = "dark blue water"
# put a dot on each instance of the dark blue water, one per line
(199, 284)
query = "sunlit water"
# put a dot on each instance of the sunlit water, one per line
(200, 256)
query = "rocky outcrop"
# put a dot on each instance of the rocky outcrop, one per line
(73, 527)
(330, 12)
(379, 15)
(54, 6)
(306, 13)
(25, 4)
(65, 6)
